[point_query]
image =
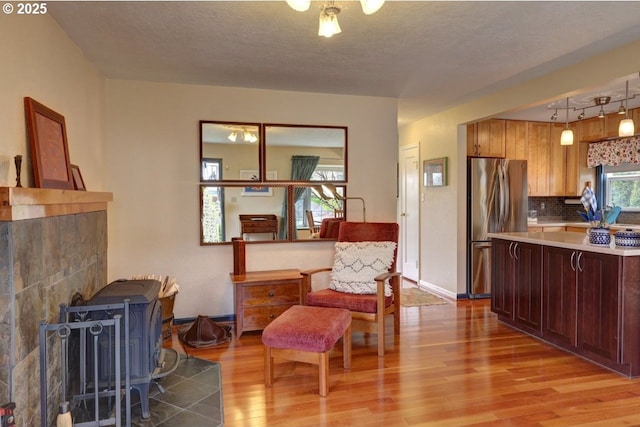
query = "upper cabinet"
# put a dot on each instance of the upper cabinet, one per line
(516, 137)
(592, 129)
(486, 138)
(538, 163)
(552, 169)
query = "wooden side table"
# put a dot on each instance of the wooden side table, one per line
(261, 296)
(259, 224)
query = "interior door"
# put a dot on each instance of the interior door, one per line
(410, 212)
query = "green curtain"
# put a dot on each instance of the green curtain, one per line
(302, 167)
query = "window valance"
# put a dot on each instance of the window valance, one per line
(615, 152)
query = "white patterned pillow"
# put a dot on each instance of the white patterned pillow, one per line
(356, 264)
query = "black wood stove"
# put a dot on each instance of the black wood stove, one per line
(145, 334)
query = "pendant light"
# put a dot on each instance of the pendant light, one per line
(299, 5)
(328, 24)
(567, 134)
(627, 127)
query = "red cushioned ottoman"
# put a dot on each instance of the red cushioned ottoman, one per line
(307, 334)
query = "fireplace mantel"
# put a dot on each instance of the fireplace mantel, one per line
(17, 203)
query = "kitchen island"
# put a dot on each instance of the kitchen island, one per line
(580, 297)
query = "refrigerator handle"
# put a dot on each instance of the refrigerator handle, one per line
(507, 200)
(501, 219)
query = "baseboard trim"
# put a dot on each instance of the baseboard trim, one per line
(437, 290)
(230, 318)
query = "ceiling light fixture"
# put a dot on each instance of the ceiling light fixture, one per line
(328, 24)
(371, 6)
(299, 5)
(567, 134)
(627, 127)
(247, 136)
(328, 21)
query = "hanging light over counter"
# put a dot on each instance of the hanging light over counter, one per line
(567, 134)
(626, 127)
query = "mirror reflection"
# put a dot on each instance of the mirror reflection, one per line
(306, 153)
(229, 151)
(277, 157)
(260, 213)
(253, 212)
(317, 213)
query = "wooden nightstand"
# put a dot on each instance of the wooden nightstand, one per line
(261, 296)
(259, 224)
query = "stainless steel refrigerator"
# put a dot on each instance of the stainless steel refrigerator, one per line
(496, 202)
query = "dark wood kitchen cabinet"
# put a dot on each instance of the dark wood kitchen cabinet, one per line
(502, 278)
(516, 284)
(528, 286)
(581, 302)
(597, 310)
(559, 300)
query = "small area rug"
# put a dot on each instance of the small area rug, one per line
(413, 297)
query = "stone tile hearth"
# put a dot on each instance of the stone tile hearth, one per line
(192, 397)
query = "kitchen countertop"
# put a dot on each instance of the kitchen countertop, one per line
(567, 240)
(581, 224)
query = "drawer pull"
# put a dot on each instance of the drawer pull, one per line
(271, 316)
(271, 294)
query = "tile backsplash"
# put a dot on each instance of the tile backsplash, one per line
(554, 209)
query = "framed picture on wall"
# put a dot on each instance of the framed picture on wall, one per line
(257, 190)
(49, 150)
(435, 172)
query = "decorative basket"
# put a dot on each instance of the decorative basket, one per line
(167, 315)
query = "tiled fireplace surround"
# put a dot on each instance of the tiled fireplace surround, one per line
(53, 243)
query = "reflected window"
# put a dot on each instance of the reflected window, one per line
(212, 221)
(211, 169)
(321, 208)
(328, 173)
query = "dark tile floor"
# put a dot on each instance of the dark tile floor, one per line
(192, 397)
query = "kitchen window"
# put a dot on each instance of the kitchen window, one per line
(622, 186)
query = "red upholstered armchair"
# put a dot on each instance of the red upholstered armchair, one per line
(368, 311)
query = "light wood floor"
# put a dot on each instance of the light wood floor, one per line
(452, 365)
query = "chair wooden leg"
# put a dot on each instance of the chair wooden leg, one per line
(381, 329)
(323, 369)
(268, 367)
(346, 348)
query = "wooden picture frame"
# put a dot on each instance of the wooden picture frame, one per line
(435, 172)
(78, 182)
(49, 150)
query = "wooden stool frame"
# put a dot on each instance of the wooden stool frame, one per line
(314, 358)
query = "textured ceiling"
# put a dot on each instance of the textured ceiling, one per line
(429, 55)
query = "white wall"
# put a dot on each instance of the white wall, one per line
(443, 213)
(152, 153)
(39, 61)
